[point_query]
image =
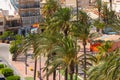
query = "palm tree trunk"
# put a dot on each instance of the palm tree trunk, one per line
(85, 66)
(47, 77)
(40, 69)
(54, 75)
(35, 68)
(25, 62)
(110, 4)
(66, 74)
(76, 72)
(71, 76)
(99, 14)
(71, 70)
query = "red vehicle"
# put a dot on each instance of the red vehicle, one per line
(94, 45)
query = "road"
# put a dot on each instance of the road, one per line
(5, 55)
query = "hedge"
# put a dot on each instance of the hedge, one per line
(2, 66)
(13, 78)
(7, 72)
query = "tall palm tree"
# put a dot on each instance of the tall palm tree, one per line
(82, 29)
(27, 43)
(60, 22)
(65, 57)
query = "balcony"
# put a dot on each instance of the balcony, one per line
(13, 24)
(30, 20)
(26, 6)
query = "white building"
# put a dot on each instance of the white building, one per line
(9, 18)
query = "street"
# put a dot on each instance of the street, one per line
(5, 56)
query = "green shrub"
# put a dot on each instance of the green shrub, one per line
(13, 78)
(7, 72)
(2, 66)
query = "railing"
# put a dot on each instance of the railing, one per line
(29, 6)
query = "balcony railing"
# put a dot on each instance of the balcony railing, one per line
(29, 6)
(12, 24)
(30, 20)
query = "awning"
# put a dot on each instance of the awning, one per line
(35, 25)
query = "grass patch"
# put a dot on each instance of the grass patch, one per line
(28, 78)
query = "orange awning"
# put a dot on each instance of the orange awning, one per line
(36, 25)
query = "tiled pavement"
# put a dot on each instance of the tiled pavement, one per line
(20, 66)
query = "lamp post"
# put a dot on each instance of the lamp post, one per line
(14, 55)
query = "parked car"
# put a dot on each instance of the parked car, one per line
(109, 31)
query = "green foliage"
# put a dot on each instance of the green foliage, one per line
(50, 8)
(7, 34)
(99, 24)
(107, 69)
(29, 78)
(13, 78)
(2, 66)
(13, 48)
(16, 43)
(7, 72)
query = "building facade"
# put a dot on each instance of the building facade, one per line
(9, 18)
(29, 11)
(1, 23)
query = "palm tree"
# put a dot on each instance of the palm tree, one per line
(99, 25)
(104, 50)
(107, 69)
(31, 41)
(45, 44)
(82, 29)
(65, 57)
(110, 18)
(50, 8)
(61, 21)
